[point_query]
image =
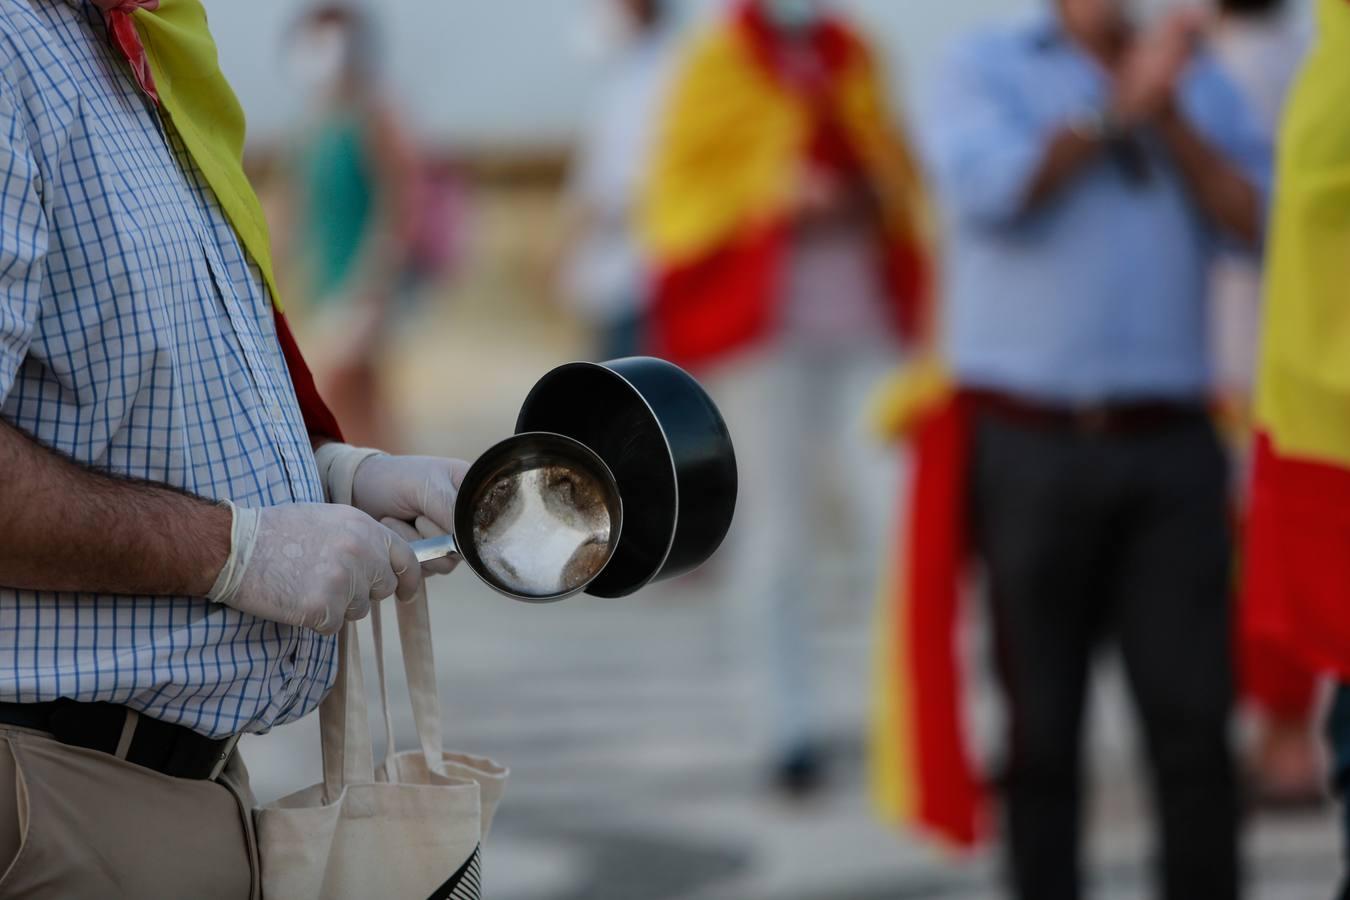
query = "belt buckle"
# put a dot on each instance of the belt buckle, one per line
(225, 753)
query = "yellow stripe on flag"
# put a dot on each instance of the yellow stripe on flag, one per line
(1304, 388)
(891, 763)
(732, 134)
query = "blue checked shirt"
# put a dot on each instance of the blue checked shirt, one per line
(137, 337)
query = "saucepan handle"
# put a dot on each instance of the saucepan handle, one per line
(435, 548)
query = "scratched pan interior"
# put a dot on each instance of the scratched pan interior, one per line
(670, 452)
(521, 453)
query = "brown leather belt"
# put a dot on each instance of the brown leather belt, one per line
(1125, 418)
(109, 728)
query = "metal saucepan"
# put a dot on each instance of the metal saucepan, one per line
(538, 518)
(661, 435)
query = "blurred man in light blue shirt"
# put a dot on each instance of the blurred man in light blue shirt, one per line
(1090, 164)
(1097, 293)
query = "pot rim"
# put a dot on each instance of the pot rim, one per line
(670, 457)
(473, 563)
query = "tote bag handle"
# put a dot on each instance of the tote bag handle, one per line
(344, 729)
(419, 666)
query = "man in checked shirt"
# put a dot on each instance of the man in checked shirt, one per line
(175, 554)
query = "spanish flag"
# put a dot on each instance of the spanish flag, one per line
(921, 772)
(174, 58)
(739, 128)
(1297, 578)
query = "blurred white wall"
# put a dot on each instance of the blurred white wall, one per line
(515, 71)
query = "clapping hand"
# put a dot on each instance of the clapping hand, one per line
(1146, 78)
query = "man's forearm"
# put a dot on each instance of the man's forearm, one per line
(65, 527)
(1223, 192)
(1065, 156)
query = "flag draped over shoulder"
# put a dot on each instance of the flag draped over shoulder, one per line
(716, 210)
(193, 93)
(1297, 578)
(920, 768)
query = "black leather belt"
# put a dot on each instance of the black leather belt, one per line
(109, 728)
(1106, 419)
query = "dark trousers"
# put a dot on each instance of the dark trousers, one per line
(1120, 536)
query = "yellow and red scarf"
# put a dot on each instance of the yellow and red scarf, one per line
(173, 58)
(717, 208)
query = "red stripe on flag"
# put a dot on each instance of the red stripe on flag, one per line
(705, 309)
(950, 799)
(1297, 578)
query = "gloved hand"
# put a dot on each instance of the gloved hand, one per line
(313, 565)
(412, 495)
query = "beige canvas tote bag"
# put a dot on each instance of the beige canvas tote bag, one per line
(413, 826)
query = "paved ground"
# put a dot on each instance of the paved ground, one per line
(634, 777)
(625, 722)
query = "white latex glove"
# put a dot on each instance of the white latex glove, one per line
(418, 491)
(411, 533)
(313, 565)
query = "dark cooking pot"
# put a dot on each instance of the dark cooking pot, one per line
(669, 449)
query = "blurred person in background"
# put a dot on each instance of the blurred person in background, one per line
(785, 221)
(1089, 164)
(1297, 573)
(1260, 44)
(607, 276)
(355, 182)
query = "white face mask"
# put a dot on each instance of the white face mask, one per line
(793, 15)
(318, 58)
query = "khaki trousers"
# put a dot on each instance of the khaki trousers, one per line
(78, 823)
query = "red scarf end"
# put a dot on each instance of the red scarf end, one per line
(124, 37)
